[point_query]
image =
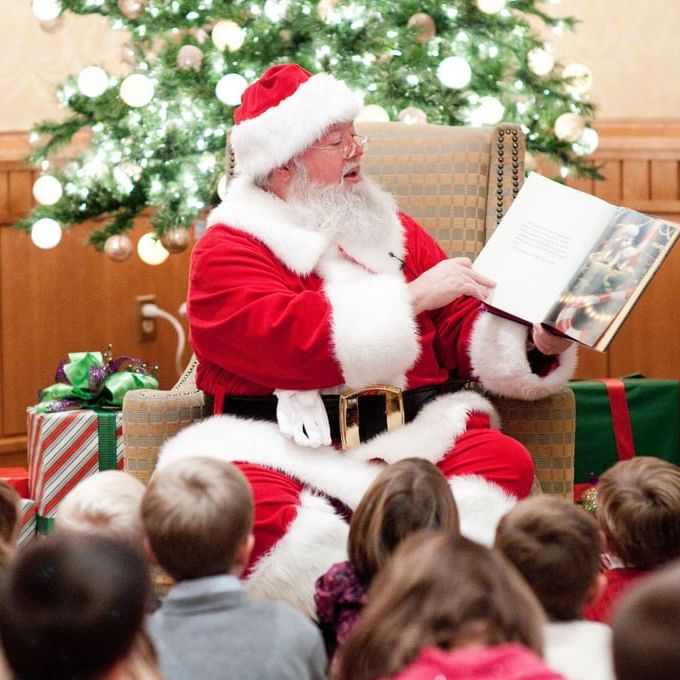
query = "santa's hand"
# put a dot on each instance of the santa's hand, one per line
(302, 416)
(548, 343)
(446, 281)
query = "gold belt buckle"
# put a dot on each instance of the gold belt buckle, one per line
(349, 412)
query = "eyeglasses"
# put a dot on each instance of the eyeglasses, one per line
(358, 141)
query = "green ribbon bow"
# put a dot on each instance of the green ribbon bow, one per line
(87, 381)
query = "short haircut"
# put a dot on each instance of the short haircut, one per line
(646, 624)
(9, 521)
(108, 502)
(196, 514)
(556, 546)
(73, 605)
(406, 497)
(638, 506)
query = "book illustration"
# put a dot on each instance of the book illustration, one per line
(628, 249)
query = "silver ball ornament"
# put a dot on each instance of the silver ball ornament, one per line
(132, 9)
(176, 240)
(118, 247)
(189, 57)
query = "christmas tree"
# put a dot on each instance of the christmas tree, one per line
(158, 136)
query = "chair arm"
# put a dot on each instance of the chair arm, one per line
(152, 416)
(546, 428)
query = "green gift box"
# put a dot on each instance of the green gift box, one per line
(618, 419)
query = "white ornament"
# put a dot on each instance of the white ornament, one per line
(490, 6)
(541, 61)
(229, 89)
(580, 79)
(93, 81)
(490, 110)
(412, 115)
(46, 233)
(373, 113)
(47, 190)
(275, 10)
(454, 72)
(569, 127)
(228, 35)
(587, 143)
(137, 90)
(46, 10)
(151, 250)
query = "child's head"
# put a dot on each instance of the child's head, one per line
(556, 547)
(638, 505)
(441, 591)
(108, 502)
(198, 518)
(73, 605)
(406, 497)
(646, 625)
(9, 522)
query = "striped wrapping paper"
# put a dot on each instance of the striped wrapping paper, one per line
(66, 447)
(27, 522)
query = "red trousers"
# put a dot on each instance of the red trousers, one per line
(480, 450)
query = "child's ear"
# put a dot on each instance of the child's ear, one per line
(243, 555)
(596, 588)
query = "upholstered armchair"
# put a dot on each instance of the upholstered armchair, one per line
(457, 182)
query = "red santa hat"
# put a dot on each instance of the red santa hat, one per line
(284, 112)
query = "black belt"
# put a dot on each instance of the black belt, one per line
(372, 407)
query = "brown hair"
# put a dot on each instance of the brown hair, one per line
(407, 496)
(197, 512)
(556, 547)
(440, 591)
(72, 606)
(9, 522)
(639, 511)
(645, 628)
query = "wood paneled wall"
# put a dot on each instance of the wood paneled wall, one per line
(68, 299)
(71, 298)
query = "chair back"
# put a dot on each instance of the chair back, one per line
(457, 182)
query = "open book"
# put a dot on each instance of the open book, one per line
(571, 261)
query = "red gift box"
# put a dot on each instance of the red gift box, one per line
(16, 477)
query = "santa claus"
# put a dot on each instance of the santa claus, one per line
(334, 334)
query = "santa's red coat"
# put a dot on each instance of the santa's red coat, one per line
(275, 306)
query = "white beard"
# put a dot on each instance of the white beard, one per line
(357, 216)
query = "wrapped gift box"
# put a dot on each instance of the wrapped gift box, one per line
(27, 522)
(16, 477)
(66, 447)
(618, 419)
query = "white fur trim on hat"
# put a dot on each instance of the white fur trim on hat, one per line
(499, 360)
(315, 540)
(271, 139)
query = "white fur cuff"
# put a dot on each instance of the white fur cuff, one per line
(499, 360)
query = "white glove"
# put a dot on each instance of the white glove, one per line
(302, 416)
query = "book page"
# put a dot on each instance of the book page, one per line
(612, 277)
(544, 237)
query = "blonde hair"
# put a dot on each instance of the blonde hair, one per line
(108, 502)
(9, 522)
(638, 506)
(439, 591)
(407, 496)
(197, 512)
(556, 547)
